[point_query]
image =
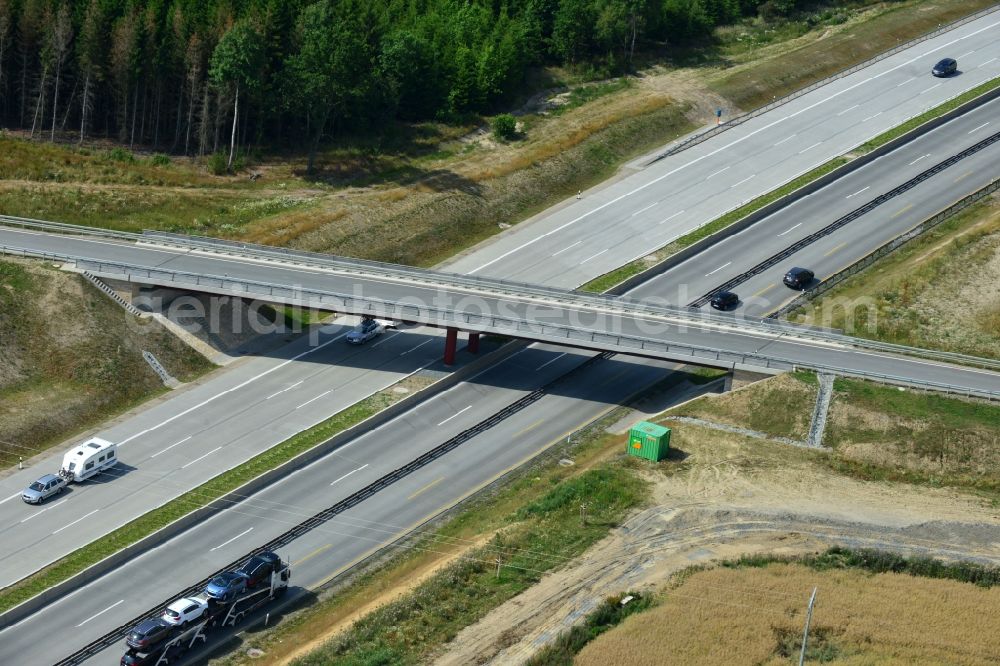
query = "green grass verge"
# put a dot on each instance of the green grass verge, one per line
(608, 280)
(194, 499)
(878, 562)
(605, 282)
(936, 112)
(609, 614)
(538, 536)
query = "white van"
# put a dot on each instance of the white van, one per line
(88, 459)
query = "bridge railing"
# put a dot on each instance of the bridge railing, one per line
(514, 327)
(621, 305)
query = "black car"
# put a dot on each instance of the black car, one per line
(259, 568)
(724, 300)
(798, 278)
(149, 633)
(945, 67)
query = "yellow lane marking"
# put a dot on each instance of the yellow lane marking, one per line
(531, 427)
(763, 291)
(427, 487)
(967, 173)
(312, 554)
(902, 210)
(832, 250)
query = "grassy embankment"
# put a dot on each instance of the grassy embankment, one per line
(201, 496)
(752, 610)
(875, 432)
(935, 292)
(402, 623)
(70, 357)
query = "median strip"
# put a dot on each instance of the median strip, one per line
(634, 268)
(194, 499)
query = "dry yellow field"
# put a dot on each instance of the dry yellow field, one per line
(756, 615)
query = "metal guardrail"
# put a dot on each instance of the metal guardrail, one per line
(609, 304)
(522, 328)
(742, 118)
(848, 218)
(888, 248)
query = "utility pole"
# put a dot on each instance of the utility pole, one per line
(499, 561)
(805, 634)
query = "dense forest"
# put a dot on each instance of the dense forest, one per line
(202, 76)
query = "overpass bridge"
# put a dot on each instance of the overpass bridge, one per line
(480, 305)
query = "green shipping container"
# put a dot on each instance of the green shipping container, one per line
(648, 440)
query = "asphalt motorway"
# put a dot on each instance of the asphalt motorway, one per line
(592, 268)
(614, 224)
(591, 327)
(316, 556)
(177, 445)
(763, 293)
(567, 247)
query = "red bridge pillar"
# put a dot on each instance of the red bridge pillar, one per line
(450, 342)
(473, 343)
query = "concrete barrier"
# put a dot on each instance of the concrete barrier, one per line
(804, 191)
(164, 534)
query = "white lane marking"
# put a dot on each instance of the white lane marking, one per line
(918, 159)
(980, 127)
(644, 209)
(810, 147)
(899, 85)
(787, 138)
(76, 521)
(222, 545)
(171, 446)
(415, 348)
(718, 269)
(202, 457)
(349, 473)
(566, 248)
(284, 389)
(667, 219)
(870, 117)
(314, 399)
(10, 498)
(741, 182)
(858, 192)
(790, 229)
(594, 256)
(120, 601)
(746, 137)
(965, 54)
(936, 85)
(230, 390)
(711, 175)
(849, 109)
(386, 339)
(986, 63)
(550, 361)
(454, 415)
(38, 513)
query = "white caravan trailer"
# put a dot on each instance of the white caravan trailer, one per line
(88, 459)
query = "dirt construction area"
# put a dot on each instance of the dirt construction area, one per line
(722, 495)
